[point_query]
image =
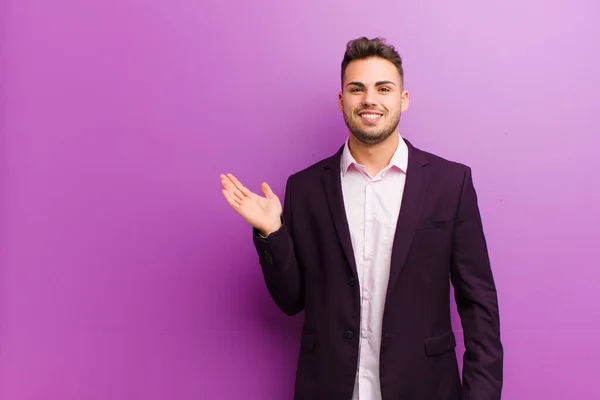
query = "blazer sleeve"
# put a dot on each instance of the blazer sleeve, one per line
(476, 299)
(280, 268)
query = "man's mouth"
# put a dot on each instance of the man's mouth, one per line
(370, 115)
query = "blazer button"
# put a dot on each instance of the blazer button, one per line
(348, 334)
(351, 281)
(269, 257)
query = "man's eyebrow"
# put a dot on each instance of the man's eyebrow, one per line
(360, 84)
(356, 84)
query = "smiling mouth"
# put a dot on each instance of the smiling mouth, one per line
(370, 116)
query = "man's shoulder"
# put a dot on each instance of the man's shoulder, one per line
(442, 164)
(443, 171)
(315, 169)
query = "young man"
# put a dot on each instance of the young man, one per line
(367, 246)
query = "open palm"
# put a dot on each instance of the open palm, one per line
(263, 213)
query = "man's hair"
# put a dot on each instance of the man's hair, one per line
(363, 48)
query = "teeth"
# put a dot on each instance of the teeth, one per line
(371, 116)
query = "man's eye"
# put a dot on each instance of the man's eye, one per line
(384, 89)
(354, 90)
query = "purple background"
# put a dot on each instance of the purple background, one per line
(125, 275)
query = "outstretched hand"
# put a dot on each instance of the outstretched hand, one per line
(262, 212)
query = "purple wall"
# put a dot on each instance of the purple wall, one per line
(125, 275)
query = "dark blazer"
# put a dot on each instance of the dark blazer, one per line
(309, 265)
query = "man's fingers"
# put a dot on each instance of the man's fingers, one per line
(232, 200)
(232, 189)
(243, 190)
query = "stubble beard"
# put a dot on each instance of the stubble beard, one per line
(370, 136)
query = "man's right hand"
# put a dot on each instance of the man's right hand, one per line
(263, 213)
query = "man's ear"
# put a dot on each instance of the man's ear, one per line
(405, 101)
(340, 101)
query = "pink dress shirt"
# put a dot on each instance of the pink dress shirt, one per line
(372, 206)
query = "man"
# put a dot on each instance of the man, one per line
(367, 246)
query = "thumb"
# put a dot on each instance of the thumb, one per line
(266, 189)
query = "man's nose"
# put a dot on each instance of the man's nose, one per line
(369, 98)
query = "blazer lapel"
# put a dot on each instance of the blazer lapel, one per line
(332, 184)
(410, 211)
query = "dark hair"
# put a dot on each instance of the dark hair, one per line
(363, 48)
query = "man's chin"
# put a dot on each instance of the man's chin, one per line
(369, 137)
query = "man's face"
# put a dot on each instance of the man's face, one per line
(372, 99)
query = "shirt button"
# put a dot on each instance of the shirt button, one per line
(348, 334)
(364, 373)
(366, 295)
(370, 218)
(364, 333)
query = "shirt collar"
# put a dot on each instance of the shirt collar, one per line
(399, 159)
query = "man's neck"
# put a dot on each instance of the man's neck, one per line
(374, 157)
